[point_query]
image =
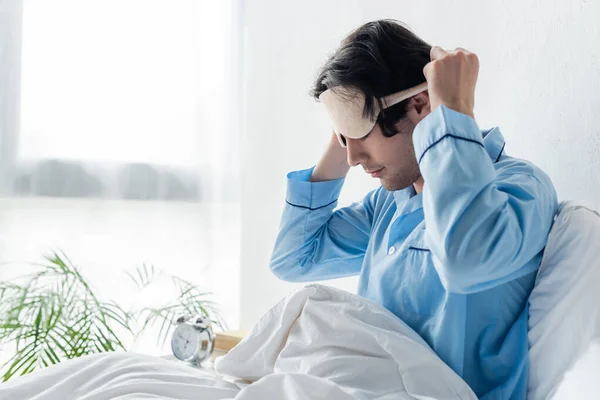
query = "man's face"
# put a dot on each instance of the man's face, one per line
(391, 159)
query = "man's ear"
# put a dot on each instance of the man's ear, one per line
(418, 107)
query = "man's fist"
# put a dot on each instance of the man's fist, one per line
(451, 78)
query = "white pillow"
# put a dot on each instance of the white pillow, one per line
(565, 302)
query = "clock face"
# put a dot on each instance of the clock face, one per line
(185, 342)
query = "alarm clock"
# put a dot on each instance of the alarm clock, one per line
(193, 339)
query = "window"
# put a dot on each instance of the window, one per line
(122, 99)
(119, 140)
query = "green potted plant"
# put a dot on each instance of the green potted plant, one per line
(54, 314)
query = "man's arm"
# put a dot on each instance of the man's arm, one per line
(314, 242)
(483, 226)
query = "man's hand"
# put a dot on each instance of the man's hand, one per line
(333, 164)
(451, 78)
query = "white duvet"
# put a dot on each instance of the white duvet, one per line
(317, 343)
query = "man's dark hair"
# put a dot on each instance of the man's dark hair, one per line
(379, 58)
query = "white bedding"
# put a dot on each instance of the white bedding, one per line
(317, 343)
(564, 312)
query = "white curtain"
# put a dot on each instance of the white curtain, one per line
(119, 124)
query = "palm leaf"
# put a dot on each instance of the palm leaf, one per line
(19, 361)
(144, 276)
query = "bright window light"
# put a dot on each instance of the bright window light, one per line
(122, 80)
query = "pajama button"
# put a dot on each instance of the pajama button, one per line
(391, 250)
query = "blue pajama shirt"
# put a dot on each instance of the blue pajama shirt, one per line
(456, 262)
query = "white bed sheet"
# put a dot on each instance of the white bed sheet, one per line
(318, 343)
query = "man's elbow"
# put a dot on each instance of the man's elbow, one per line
(455, 278)
(286, 271)
(463, 273)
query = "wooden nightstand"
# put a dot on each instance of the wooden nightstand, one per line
(227, 340)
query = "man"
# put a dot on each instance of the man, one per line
(452, 240)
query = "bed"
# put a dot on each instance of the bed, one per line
(373, 355)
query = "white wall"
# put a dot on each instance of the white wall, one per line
(539, 81)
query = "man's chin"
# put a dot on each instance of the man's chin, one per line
(393, 186)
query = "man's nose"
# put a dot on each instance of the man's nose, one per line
(355, 152)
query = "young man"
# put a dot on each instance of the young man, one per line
(452, 240)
